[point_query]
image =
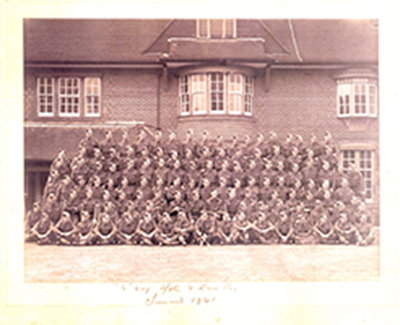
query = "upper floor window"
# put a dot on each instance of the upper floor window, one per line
(68, 96)
(216, 93)
(357, 97)
(216, 28)
(45, 96)
(92, 96)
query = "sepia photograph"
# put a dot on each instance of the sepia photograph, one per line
(201, 150)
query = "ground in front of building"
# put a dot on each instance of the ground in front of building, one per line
(244, 263)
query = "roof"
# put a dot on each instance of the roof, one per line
(145, 40)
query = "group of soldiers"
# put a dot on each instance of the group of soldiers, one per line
(169, 192)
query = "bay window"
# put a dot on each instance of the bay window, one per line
(216, 93)
(357, 97)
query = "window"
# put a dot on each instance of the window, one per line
(357, 97)
(199, 93)
(203, 28)
(216, 93)
(184, 95)
(363, 160)
(216, 28)
(235, 93)
(92, 96)
(66, 97)
(45, 94)
(248, 96)
(365, 168)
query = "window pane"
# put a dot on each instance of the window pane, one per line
(69, 93)
(45, 95)
(202, 26)
(372, 100)
(229, 28)
(92, 96)
(217, 92)
(367, 172)
(216, 28)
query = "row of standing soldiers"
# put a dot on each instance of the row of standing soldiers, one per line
(156, 192)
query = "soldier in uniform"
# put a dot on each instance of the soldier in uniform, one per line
(205, 229)
(302, 229)
(344, 193)
(284, 228)
(309, 171)
(43, 231)
(338, 177)
(225, 228)
(365, 231)
(345, 231)
(165, 234)
(315, 146)
(105, 230)
(293, 175)
(325, 174)
(241, 227)
(222, 189)
(265, 190)
(64, 229)
(330, 156)
(32, 217)
(189, 143)
(106, 144)
(184, 228)
(205, 190)
(52, 207)
(147, 228)
(172, 144)
(83, 233)
(89, 143)
(356, 181)
(277, 159)
(61, 164)
(214, 204)
(177, 204)
(324, 230)
(195, 205)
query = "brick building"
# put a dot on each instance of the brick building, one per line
(227, 76)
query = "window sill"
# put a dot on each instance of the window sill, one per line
(216, 117)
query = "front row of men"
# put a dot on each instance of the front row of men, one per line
(150, 226)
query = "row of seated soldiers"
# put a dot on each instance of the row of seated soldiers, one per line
(145, 191)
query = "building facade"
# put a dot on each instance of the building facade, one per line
(228, 76)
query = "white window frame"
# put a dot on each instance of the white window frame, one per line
(93, 95)
(233, 27)
(375, 102)
(348, 87)
(235, 93)
(199, 22)
(200, 92)
(45, 95)
(184, 95)
(357, 161)
(71, 96)
(224, 28)
(360, 104)
(223, 111)
(343, 91)
(204, 93)
(248, 82)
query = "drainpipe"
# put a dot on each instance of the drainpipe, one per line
(158, 98)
